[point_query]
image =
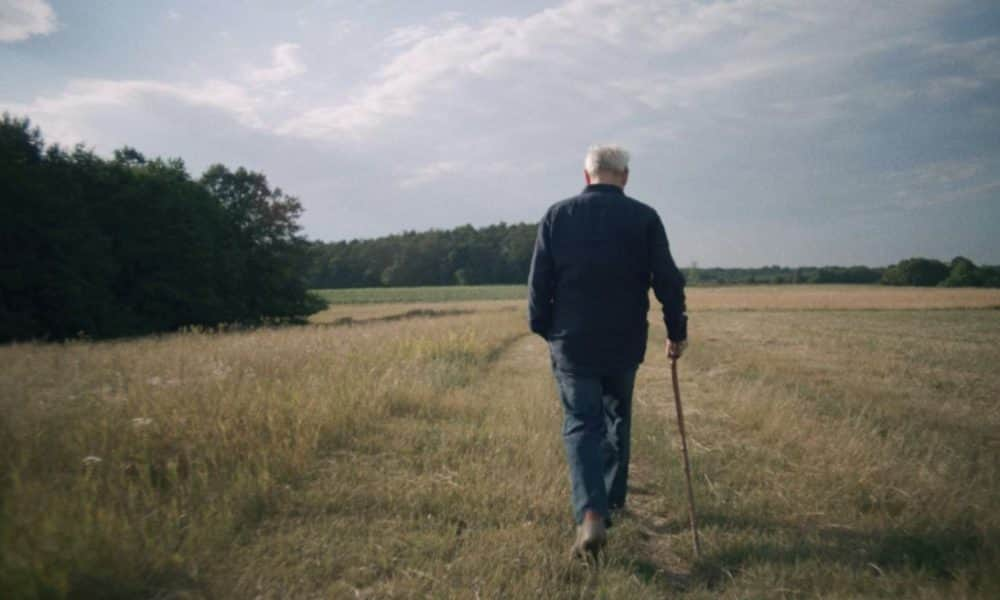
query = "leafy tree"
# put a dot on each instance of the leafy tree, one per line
(963, 273)
(271, 258)
(133, 245)
(922, 272)
(990, 276)
(54, 268)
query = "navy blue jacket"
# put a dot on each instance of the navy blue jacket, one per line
(596, 255)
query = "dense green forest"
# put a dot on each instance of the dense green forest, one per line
(502, 253)
(133, 245)
(463, 256)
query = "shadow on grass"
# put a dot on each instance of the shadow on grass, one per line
(165, 585)
(939, 552)
(654, 574)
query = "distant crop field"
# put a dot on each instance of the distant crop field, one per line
(423, 294)
(838, 297)
(844, 443)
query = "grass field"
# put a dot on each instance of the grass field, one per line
(841, 448)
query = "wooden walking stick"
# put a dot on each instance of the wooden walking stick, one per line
(687, 464)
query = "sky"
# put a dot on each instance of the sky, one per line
(769, 132)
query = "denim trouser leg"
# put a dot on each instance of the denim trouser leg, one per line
(596, 429)
(617, 442)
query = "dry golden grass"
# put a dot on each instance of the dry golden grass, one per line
(839, 453)
(838, 297)
(130, 465)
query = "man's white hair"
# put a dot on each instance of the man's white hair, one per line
(606, 158)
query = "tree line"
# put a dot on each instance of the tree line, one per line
(131, 245)
(775, 274)
(465, 255)
(960, 272)
(501, 253)
(921, 272)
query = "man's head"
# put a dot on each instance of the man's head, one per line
(606, 164)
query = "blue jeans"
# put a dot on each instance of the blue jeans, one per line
(597, 427)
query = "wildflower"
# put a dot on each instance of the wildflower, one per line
(141, 422)
(91, 460)
(154, 380)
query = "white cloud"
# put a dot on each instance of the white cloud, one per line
(432, 61)
(911, 199)
(21, 19)
(64, 117)
(943, 182)
(429, 173)
(663, 55)
(285, 64)
(399, 87)
(407, 35)
(343, 27)
(469, 168)
(661, 91)
(67, 117)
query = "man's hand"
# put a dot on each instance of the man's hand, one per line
(675, 349)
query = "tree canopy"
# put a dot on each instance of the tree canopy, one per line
(462, 256)
(133, 245)
(961, 272)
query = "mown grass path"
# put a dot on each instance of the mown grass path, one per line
(462, 496)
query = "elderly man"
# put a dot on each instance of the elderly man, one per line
(596, 255)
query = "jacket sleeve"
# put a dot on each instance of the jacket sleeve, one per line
(667, 281)
(540, 282)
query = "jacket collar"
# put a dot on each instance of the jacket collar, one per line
(604, 188)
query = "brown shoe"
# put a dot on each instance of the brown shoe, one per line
(591, 537)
